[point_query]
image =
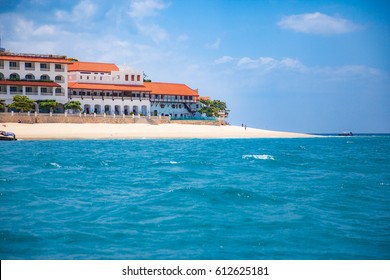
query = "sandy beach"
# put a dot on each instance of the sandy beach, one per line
(137, 131)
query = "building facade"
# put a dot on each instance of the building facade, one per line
(101, 88)
(40, 77)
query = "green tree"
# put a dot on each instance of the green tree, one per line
(212, 108)
(47, 105)
(2, 105)
(21, 103)
(73, 105)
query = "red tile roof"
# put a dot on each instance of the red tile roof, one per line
(87, 86)
(27, 83)
(170, 89)
(34, 59)
(92, 67)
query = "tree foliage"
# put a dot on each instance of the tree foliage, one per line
(73, 105)
(212, 108)
(48, 105)
(2, 105)
(21, 103)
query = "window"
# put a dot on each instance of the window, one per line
(45, 67)
(138, 78)
(58, 67)
(1, 63)
(13, 89)
(14, 76)
(13, 64)
(2, 76)
(44, 90)
(30, 77)
(58, 90)
(45, 78)
(58, 78)
(126, 77)
(28, 65)
(28, 89)
(132, 78)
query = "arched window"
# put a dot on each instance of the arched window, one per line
(2, 76)
(14, 76)
(59, 79)
(45, 78)
(30, 77)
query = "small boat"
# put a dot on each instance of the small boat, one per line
(7, 136)
(346, 134)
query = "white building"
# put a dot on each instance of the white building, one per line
(100, 87)
(40, 77)
(103, 88)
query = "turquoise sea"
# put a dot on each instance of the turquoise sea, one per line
(317, 198)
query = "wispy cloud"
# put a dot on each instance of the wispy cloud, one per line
(224, 59)
(145, 8)
(141, 9)
(84, 9)
(318, 23)
(215, 45)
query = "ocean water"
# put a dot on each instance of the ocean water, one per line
(319, 198)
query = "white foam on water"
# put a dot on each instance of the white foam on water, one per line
(55, 164)
(173, 162)
(262, 157)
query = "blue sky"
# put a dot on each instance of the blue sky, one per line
(307, 66)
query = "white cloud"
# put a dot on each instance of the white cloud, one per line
(146, 8)
(224, 59)
(182, 38)
(265, 63)
(154, 31)
(141, 9)
(84, 9)
(317, 23)
(45, 30)
(215, 45)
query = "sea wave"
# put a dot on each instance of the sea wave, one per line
(262, 157)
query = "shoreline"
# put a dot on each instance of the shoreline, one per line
(73, 131)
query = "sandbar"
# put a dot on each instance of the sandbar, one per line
(56, 131)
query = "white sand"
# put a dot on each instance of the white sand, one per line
(137, 131)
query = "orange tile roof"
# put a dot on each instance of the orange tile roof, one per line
(170, 89)
(73, 85)
(34, 59)
(27, 83)
(92, 67)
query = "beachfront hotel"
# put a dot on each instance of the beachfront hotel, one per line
(40, 77)
(101, 88)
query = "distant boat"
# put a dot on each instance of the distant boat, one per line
(346, 134)
(7, 136)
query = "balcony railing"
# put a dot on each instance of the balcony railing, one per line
(17, 92)
(14, 67)
(60, 70)
(32, 93)
(46, 93)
